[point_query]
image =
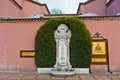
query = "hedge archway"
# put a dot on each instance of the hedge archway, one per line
(80, 43)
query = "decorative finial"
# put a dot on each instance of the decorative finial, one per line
(97, 35)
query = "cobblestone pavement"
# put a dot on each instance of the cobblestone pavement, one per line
(33, 76)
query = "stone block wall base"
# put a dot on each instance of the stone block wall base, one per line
(77, 70)
(115, 72)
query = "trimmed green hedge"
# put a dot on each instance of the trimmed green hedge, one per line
(80, 43)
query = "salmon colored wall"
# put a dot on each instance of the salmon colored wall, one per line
(109, 29)
(8, 9)
(18, 36)
(82, 9)
(15, 37)
(31, 8)
(96, 6)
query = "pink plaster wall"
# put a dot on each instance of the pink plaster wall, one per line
(113, 8)
(31, 8)
(109, 29)
(18, 36)
(99, 7)
(95, 6)
(8, 9)
(14, 38)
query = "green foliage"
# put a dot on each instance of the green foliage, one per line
(56, 11)
(80, 43)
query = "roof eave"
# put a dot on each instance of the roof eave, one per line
(107, 4)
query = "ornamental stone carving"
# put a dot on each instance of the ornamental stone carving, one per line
(62, 38)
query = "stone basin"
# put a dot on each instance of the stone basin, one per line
(63, 73)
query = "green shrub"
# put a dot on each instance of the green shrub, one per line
(80, 43)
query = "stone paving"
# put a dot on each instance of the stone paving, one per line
(34, 76)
